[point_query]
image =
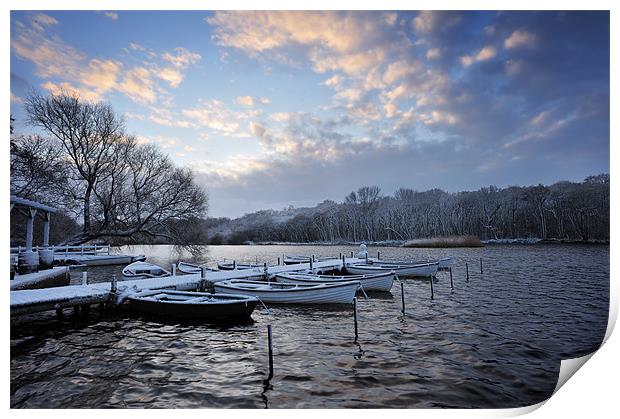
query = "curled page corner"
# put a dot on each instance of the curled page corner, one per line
(568, 367)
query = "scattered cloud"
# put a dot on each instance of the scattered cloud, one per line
(484, 54)
(520, 38)
(111, 15)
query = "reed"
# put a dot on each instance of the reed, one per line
(448, 241)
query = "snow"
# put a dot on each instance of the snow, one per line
(32, 278)
(180, 282)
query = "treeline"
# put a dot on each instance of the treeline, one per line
(564, 210)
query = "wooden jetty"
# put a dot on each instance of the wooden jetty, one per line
(46, 278)
(33, 301)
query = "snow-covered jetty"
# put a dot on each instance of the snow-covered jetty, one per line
(115, 293)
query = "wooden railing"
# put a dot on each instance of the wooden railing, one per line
(85, 249)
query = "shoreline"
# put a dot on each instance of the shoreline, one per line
(394, 243)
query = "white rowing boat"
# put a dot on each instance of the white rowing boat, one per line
(375, 282)
(143, 270)
(444, 264)
(276, 292)
(420, 269)
(191, 268)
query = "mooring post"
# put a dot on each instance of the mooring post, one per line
(451, 283)
(203, 275)
(265, 272)
(366, 257)
(355, 315)
(84, 278)
(340, 255)
(432, 291)
(270, 343)
(480, 266)
(467, 272)
(113, 284)
(174, 269)
(278, 260)
(234, 265)
(351, 253)
(310, 264)
(343, 261)
(313, 259)
(402, 296)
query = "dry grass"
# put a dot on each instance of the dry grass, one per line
(450, 241)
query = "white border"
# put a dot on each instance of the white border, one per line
(592, 393)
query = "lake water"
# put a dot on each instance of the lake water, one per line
(495, 341)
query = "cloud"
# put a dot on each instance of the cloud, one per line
(162, 141)
(433, 54)
(245, 101)
(484, 54)
(68, 88)
(182, 57)
(520, 38)
(426, 21)
(16, 99)
(66, 69)
(214, 115)
(138, 85)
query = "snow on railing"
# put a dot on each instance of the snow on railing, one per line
(84, 249)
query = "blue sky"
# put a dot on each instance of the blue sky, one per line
(290, 108)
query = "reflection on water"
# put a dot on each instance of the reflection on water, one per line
(495, 341)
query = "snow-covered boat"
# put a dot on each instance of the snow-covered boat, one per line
(375, 282)
(291, 260)
(443, 264)
(276, 292)
(191, 268)
(420, 269)
(143, 270)
(236, 266)
(193, 305)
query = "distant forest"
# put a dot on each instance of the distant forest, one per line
(564, 210)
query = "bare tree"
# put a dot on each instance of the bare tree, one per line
(126, 190)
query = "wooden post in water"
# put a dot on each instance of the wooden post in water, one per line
(355, 315)
(481, 266)
(113, 284)
(278, 260)
(203, 275)
(234, 265)
(313, 259)
(311, 264)
(84, 278)
(366, 257)
(467, 272)
(174, 269)
(270, 343)
(451, 283)
(402, 296)
(432, 291)
(378, 255)
(351, 253)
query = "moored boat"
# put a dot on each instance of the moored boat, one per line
(144, 270)
(420, 269)
(193, 305)
(375, 282)
(443, 264)
(236, 266)
(276, 292)
(191, 268)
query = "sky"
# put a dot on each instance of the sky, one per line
(273, 108)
